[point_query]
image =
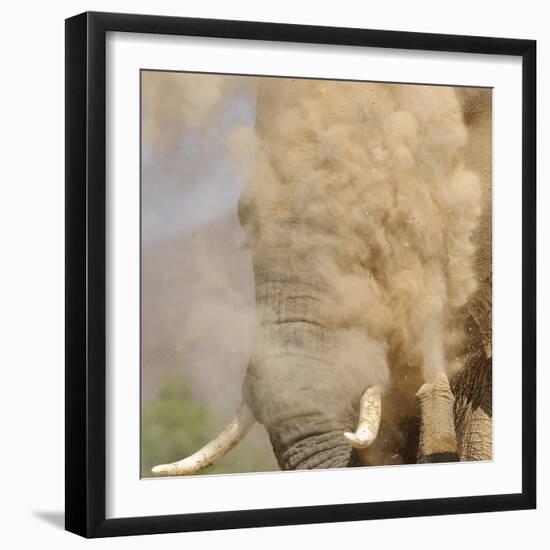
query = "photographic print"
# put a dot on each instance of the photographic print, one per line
(316, 274)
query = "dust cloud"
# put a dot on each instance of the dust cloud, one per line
(368, 185)
(197, 285)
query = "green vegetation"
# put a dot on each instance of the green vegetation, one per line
(174, 426)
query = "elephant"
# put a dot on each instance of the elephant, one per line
(368, 218)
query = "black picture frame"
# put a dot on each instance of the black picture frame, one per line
(86, 273)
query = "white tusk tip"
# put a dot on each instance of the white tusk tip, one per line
(350, 436)
(357, 441)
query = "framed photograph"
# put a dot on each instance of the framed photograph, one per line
(300, 274)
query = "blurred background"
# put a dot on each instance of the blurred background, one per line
(197, 287)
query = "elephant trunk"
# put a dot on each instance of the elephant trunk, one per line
(294, 384)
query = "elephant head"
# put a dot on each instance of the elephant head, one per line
(362, 220)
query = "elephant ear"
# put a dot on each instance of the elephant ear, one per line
(473, 409)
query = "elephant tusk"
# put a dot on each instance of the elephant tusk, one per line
(213, 450)
(370, 411)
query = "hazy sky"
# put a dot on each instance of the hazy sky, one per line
(197, 282)
(192, 180)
